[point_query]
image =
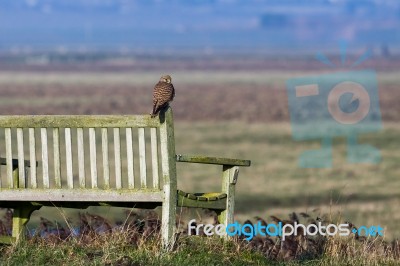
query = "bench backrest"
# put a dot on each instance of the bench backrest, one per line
(87, 151)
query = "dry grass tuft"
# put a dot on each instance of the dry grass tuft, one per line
(96, 239)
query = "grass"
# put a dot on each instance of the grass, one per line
(191, 252)
(117, 249)
(274, 185)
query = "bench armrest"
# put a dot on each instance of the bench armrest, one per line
(211, 160)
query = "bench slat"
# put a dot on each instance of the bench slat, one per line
(74, 121)
(154, 157)
(129, 156)
(32, 157)
(117, 155)
(81, 157)
(68, 158)
(57, 160)
(81, 195)
(93, 159)
(142, 158)
(45, 158)
(21, 163)
(7, 133)
(106, 164)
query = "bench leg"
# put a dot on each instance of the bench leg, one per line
(229, 178)
(168, 219)
(20, 219)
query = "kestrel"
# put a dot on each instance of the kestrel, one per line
(163, 93)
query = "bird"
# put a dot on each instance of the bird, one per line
(163, 94)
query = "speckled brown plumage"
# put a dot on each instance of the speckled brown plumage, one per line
(163, 93)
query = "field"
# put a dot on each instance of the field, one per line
(238, 113)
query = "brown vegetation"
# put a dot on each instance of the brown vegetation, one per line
(245, 102)
(139, 228)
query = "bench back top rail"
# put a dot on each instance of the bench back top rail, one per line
(117, 152)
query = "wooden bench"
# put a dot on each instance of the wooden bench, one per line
(78, 161)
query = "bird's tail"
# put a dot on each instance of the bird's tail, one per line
(155, 111)
(157, 108)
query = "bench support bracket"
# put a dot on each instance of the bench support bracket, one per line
(20, 219)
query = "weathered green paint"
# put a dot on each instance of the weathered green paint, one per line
(203, 196)
(74, 121)
(20, 218)
(211, 160)
(7, 239)
(213, 205)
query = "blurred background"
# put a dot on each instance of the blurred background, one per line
(201, 27)
(229, 61)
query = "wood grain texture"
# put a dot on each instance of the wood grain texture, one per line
(117, 158)
(168, 166)
(129, 157)
(21, 162)
(74, 121)
(81, 158)
(163, 156)
(142, 158)
(154, 157)
(106, 162)
(32, 157)
(57, 157)
(68, 158)
(45, 158)
(211, 160)
(7, 133)
(93, 157)
(81, 195)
